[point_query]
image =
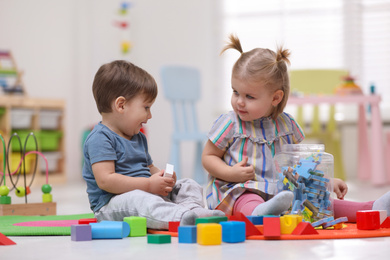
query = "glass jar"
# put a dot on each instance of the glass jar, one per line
(307, 170)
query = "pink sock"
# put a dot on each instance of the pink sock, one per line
(346, 208)
(246, 203)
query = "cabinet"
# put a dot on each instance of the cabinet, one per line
(43, 117)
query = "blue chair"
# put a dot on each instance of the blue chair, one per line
(182, 87)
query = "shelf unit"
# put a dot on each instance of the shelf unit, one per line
(38, 106)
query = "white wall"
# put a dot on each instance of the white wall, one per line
(61, 44)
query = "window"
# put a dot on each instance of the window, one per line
(350, 34)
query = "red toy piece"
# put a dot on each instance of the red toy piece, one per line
(86, 221)
(5, 241)
(250, 229)
(386, 223)
(271, 226)
(304, 228)
(367, 220)
(174, 226)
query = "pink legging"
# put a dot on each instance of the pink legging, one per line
(248, 201)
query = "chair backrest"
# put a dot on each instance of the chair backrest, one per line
(320, 81)
(181, 86)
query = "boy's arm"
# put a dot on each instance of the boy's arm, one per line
(107, 179)
(213, 163)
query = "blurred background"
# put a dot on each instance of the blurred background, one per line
(59, 45)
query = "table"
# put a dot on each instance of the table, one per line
(371, 158)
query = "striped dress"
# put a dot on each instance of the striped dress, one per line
(259, 140)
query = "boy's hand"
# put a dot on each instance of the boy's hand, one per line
(340, 188)
(241, 172)
(160, 185)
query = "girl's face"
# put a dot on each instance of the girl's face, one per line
(252, 100)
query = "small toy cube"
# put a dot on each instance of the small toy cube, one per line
(81, 232)
(137, 226)
(271, 226)
(367, 220)
(187, 234)
(233, 231)
(173, 226)
(288, 223)
(159, 239)
(209, 234)
(213, 219)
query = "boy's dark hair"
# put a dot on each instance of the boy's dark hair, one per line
(121, 78)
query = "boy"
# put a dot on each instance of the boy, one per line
(121, 178)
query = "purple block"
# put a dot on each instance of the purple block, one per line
(81, 232)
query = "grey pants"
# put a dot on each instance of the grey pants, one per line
(158, 211)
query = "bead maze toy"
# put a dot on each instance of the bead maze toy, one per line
(47, 207)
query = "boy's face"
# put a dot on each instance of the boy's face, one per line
(136, 113)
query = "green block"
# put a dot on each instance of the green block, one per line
(159, 239)
(5, 200)
(137, 226)
(214, 219)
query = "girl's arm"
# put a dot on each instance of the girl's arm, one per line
(107, 179)
(213, 163)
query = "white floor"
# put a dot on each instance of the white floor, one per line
(72, 199)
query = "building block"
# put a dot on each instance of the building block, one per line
(271, 226)
(213, 219)
(256, 220)
(110, 230)
(233, 231)
(304, 228)
(382, 215)
(335, 222)
(82, 232)
(86, 221)
(159, 239)
(250, 228)
(367, 219)
(137, 226)
(168, 170)
(47, 197)
(288, 223)
(5, 241)
(173, 226)
(187, 234)
(386, 223)
(209, 234)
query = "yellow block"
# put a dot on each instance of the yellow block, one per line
(209, 234)
(288, 223)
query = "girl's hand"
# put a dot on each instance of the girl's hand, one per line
(160, 185)
(340, 188)
(241, 172)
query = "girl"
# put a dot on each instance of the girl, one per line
(242, 143)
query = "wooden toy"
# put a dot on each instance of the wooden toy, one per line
(86, 221)
(110, 230)
(137, 226)
(173, 226)
(367, 220)
(5, 241)
(288, 223)
(187, 234)
(213, 219)
(209, 234)
(304, 228)
(159, 239)
(251, 230)
(81, 232)
(271, 226)
(233, 231)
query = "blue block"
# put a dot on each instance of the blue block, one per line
(187, 234)
(110, 229)
(233, 231)
(256, 220)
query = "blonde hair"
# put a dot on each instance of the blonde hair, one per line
(263, 65)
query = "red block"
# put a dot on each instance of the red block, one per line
(174, 226)
(5, 241)
(271, 226)
(86, 221)
(304, 228)
(367, 220)
(386, 223)
(250, 229)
